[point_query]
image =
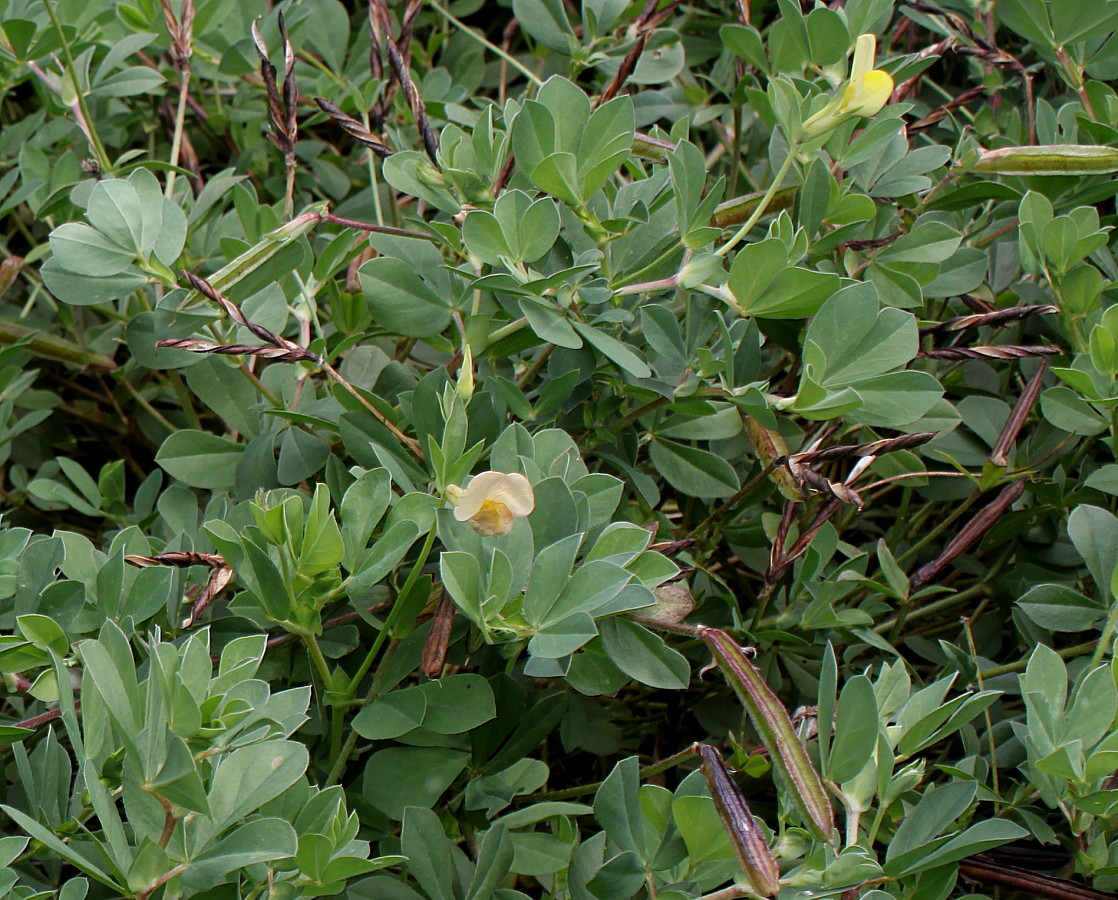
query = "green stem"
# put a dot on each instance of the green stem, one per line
(319, 660)
(493, 48)
(1106, 637)
(1018, 665)
(72, 72)
(774, 186)
(374, 182)
(342, 756)
(505, 330)
(930, 609)
(176, 140)
(939, 528)
(583, 789)
(394, 613)
(186, 399)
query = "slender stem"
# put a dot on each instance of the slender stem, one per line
(734, 892)
(485, 42)
(186, 399)
(260, 387)
(410, 443)
(379, 229)
(152, 411)
(702, 527)
(176, 140)
(1106, 637)
(319, 660)
(659, 261)
(939, 528)
(343, 755)
(374, 182)
(774, 186)
(534, 369)
(648, 407)
(661, 284)
(72, 72)
(162, 880)
(583, 789)
(394, 613)
(1018, 665)
(986, 712)
(930, 609)
(505, 330)
(289, 188)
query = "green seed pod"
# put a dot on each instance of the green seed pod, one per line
(1052, 159)
(770, 718)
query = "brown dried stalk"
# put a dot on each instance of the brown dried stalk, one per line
(377, 17)
(282, 107)
(354, 128)
(1002, 351)
(1016, 420)
(220, 576)
(940, 112)
(233, 311)
(750, 846)
(778, 569)
(289, 350)
(970, 534)
(906, 88)
(983, 48)
(870, 448)
(181, 30)
(399, 60)
(272, 353)
(997, 317)
(787, 517)
(797, 464)
(645, 24)
(438, 638)
(823, 485)
(380, 34)
(628, 64)
(873, 243)
(1028, 884)
(977, 303)
(178, 558)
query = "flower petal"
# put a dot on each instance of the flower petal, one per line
(516, 493)
(864, 51)
(493, 518)
(511, 490)
(872, 93)
(480, 488)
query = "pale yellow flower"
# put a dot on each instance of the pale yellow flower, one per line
(492, 501)
(865, 94)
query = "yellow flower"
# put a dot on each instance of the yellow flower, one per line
(867, 91)
(492, 501)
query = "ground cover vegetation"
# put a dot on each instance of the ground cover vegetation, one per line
(558, 448)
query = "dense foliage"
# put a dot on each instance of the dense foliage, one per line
(768, 335)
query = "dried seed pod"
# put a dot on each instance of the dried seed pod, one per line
(752, 849)
(971, 533)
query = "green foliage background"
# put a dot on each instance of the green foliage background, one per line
(845, 395)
